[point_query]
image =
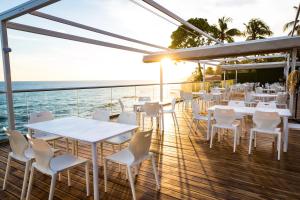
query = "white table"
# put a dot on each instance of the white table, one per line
(85, 130)
(264, 96)
(161, 103)
(284, 114)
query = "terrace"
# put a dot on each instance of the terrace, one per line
(188, 168)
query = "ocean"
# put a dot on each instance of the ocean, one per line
(79, 102)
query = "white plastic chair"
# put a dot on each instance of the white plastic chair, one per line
(172, 112)
(125, 118)
(249, 99)
(144, 99)
(281, 99)
(22, 152)
(46, 163)
(122, 105)
(152, 110)
(197, 117)
(259, 90)
(225, 119)
(266, 105)
(101, 115)
(41, 117)
(187, 99)
(266, 122)
(133, 156)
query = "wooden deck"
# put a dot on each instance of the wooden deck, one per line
(188, 169)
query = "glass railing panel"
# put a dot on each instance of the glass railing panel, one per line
(91, 99)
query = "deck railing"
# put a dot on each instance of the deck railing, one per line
(81, 101)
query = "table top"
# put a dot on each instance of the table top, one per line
(264, 95)
(87, 130)
(141, 103)
(251, 110)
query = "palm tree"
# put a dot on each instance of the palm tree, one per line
(222, 32)
(290, 25)
(257, 29)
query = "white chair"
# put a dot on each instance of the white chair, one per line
(41, 117)
(208, 100)
(122, 105)
(281, 99)
(259, 90)
(187, 99)
(133, 156)
(46, 163)
(172, 112)
(125, 118)
(249, 99)
(22, 152)
(240, 117)
(101, 115)
(266, 122)
(197, 117)
(266, 105)
(152, 110)
(225, 119)
(140, 108)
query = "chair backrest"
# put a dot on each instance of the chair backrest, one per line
(127, 118)
(195, 108)
(17, 142)
(266, 105)
(266, 120)
(173, 103)
(281, 98)
(140, 144)
(259, 90)
(188, 96)
(144, 99)
(101, 115)
(224, 116)
(208, 97)
(40, 117)
(233, 103)
(122, 105)
(249, 97)
(42, 153)
(151, 108)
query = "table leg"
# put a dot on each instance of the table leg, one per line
(286, 134)
(208, 125)
(95, 171)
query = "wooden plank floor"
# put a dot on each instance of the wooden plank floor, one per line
(188, 169)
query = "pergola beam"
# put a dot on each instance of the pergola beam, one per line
(270, 45)
(31, 29)
(179, 19)
(89, 28)
(265, 65)
(25, 8)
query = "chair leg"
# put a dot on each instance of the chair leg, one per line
(131, 182)
(212, 136)
(69, 178)
(87, 179)
(254, 134)
(155, 172)
(250, 142)
(30, 183)
(6, 172)
(52, 186)
(120, 147)
(67, 145)
(105, 174)
(26, 173)
(101, 153)
(279, 146)
(176, 120)
(143, 119)
(234, 139)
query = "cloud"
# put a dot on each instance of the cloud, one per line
(229, 3)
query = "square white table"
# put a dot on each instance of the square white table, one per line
(284, 114)
(85, 130)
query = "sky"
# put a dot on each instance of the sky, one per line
(41, 58)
